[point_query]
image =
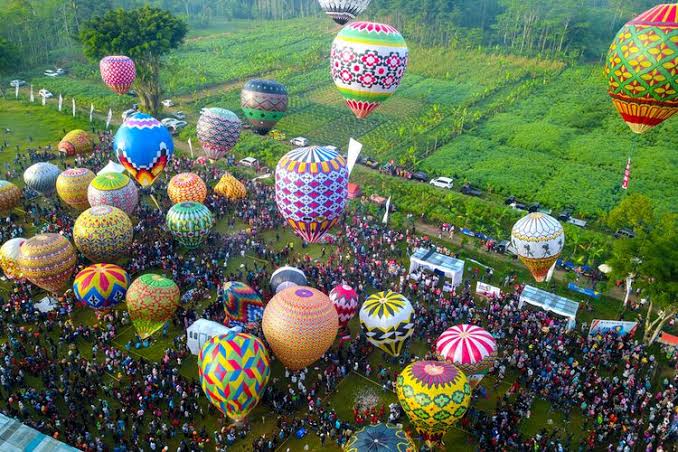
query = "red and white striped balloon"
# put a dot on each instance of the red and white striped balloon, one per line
(118, 72)
(345, 300)
(470, 348)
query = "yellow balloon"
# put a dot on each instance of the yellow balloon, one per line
(103, 233)
(72, 185)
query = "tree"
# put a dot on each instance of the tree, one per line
(9, 57)
(143, 34)
(634, 211)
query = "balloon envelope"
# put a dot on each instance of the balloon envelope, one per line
(218, 131)
(186, 187)
(342, 11)
(380, 438)
(345, 301)
(387, 318)
(190, 223)
(242, 304)
(151, 301)
(72, 185)
(9, 257)
(115, 190)
(287, 276)
(118, 72)
(101, 286)
(42, 177)
(263, 103)
(48, 261)
(230, 188)
(76, 142)
(10, 195)
(470, 348)
(103, 233)
(538, 240)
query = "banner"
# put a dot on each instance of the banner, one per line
(629, 288)
(73, 104)
(44, 100)
(388, 209)
(16, 91)
(190, 146)
(627, 175)
(584, 290)
(354, 149)
(91, 112)
(32, 96)
(109, 116)
(61, 101)
(620, 327)
(487, 290)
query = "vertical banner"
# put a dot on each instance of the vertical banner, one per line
(629, 288)
(549, 275)
(109, 116)
(16, 91)
(91, 112)
(44, 100)
(61, 102)
(388, 209)
(73, 104)
(32, 96)
(190, 146)
(627, 175)
(354, 148)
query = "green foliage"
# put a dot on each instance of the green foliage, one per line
(8, 56)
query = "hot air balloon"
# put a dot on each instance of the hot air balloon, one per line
(300, 324)
(9, 257)
(48, 261)
(76, 142)
(230, 188)
(144, 147)
(470, 348)
(152, 301)
(101, 286)
(242, 304)
(234, 370)
(345, 301)
(311, 189)
(187, 187)
(641, 68)
(71, 186)
(103, 233)
(218, 131)
(342, 11)
(380, 438)
(538, 240)
(368, 62)
(286, 277)
(118, 72)
(115, 190)
(190, 223)
(10, 195)
(387, 318)
(263, 102)
(434, 395)
(42, 177)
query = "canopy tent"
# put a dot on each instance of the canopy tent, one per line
(111, 167)
(450, 267)
(668, 339)
(47, 304)
(550, 302)
(17, 437)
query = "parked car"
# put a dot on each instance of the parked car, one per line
(299, 141)
(132, 93)
(534, 207)
(624, 233)
(44, 93)
(420, 176)
(180, 115)
(442, 182)
(470, 190)
(369, 162)
(168, 121)
(248, 161)
(15, 83)
(577, 222)
(565, 214)
(58, 72)
(167, 103)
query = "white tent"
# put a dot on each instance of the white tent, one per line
(452, 268)
(18, 437)
(111, 167)
(202, 330)
(47, 304)
(551, 303)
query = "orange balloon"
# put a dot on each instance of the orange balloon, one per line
(186, 187)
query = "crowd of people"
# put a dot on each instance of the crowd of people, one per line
(71, 380)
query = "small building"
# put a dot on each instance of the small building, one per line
(550, 302)
(202, 330)
(447, 266)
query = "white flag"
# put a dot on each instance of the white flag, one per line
(44, 99)
(190, 146)
(32, 96)
(109, 116)
(61, 101)
(16, 91)
(354, 149)
(549, 275)
(73, 104)
(388, 208)
(91, 112)
(629, 288)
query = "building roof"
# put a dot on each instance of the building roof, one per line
(549, 301)
(438, 260)
(17, 437)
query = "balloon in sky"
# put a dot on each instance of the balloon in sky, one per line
(103, 233)
(642, 68)
(230, 188)
(218, 131)
(387, 318)
(434, 395)
(342, 11)
(76, 142)
(151, 301)
(115, 190)
(190, 223)
(48, 261)
(118, 72)
(300, 324)
(101, 286)
(263, 102)
(380, 438)
(234, 370)
(42, 177)
(345, 301)
(10, 195)
(9, 257)
(311, 189)
(286, 277)
(242, 304)
(186, 187)
(144, 147)
(538, 240)
(368, 62)
(71, 186)
(470, 348)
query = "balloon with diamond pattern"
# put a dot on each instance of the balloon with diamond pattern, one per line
(190, 223)
(10, 195)
(101, 286)
(72, 185)
(103, 233)
(264, 103)
(387, 319)
(218, 131)
(242, 304)
(345, 300)
(151, 301)
(118, 72)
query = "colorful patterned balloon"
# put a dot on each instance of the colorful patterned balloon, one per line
(368, 62)
(345, 301)
(286, 277)
(470, 348)
(103, 233)
(9, 257)
(538, 240)
(311, 189)
(186, 187)
(380, 438)
(234, 370)
(263, 102)
(434, 395)
(300, 324)
(387, 318)
(118, 72)
(151, 301)
(76, 142)
(642, 68)
(42, 177)
(71, 186)
(101, 286)
(10, 195)
(230, 188)
(190, 223)
(342, 11)
(115, 190)
(48, 261)
(218, 131)
(144, 147)
(242, 304)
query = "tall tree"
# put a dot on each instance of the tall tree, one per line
(9, 57)
(143, 34)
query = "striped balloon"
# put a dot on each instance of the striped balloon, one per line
(190, 223)
(345, 300)
(470, 348)
(42, 177)
(242, 304)
(101, 286)
(48, 261)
